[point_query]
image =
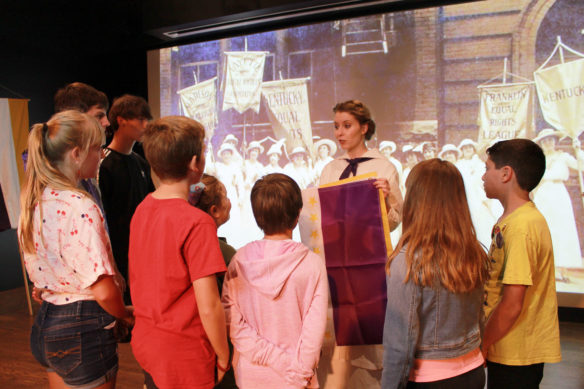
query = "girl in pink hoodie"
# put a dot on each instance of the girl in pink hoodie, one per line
(275, 295)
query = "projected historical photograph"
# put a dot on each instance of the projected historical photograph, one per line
(438, 84)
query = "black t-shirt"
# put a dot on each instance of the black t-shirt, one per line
(124, 181)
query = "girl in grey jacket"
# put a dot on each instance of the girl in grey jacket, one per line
(435, 281)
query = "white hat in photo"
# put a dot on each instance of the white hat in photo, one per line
(468, 142)
(276, 148)
(408, 149)
(388, 144)
(297, 150)
(419, 148)
(449, 147)
(546, 133)
(230, 138)
(327, 142)
(225, 147)
(255, 145)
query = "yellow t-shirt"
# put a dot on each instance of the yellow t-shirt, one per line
(521, 253)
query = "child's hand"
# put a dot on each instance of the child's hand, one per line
(220, 374)
(36, 294)
(130, 319)
(221, 367)
(298, 376)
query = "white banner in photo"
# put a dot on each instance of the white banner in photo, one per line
(506, 112)
(244, 72)
(199, 102)
(560, 89)
(289, 113)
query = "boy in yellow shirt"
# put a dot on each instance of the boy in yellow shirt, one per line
(522, 331)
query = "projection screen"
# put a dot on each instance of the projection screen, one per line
(441, 82)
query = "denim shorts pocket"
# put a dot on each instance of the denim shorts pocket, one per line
(63, 353)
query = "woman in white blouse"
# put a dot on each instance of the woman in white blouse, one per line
(357, 366)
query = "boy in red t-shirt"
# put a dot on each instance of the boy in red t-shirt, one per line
(179, 337)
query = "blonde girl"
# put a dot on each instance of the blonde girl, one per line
(68, 256)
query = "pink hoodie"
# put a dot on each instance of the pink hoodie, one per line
(275, 296)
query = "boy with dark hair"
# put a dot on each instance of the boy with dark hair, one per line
(275, 295)
(128, 107)
(179, 337)
(83, 98)
(124, 176)
(522, 331)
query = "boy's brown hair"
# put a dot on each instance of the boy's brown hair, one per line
(276, 202)
(128, 107)
(524, 156)
(170, 144)
(80, 97)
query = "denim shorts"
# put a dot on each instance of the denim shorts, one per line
(72, 341)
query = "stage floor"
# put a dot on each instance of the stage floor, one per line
(19, 370)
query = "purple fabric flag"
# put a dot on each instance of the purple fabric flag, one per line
(355, 250)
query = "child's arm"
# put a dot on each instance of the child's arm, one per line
(504, 315)
(314, 323)
(256, 348)
(108, 296)
(212, 318)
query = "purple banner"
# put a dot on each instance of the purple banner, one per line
(355, 251)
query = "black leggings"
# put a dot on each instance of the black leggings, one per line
(474, 379)
(514, 377)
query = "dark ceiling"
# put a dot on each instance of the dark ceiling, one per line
(47, 44)
(62, 27)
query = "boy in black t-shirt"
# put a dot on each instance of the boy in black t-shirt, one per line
(124, 176)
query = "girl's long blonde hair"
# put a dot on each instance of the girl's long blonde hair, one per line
(47, 145)
(440, 240)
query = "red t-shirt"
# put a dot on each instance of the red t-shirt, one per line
(172, 244)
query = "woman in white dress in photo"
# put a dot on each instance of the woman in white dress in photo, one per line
(253, 170)
(229, 172)
(325, 150)
(449, 153)
(387, 148)
(298, 168)
(411, 158)
(472, 169)
(274, 154)
(429, 150)
(553, 200)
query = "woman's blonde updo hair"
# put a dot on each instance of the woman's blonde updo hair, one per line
(360, 112)
(47, 145)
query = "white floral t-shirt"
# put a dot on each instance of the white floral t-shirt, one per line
(74, 249)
